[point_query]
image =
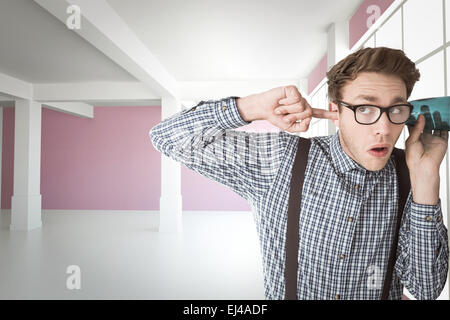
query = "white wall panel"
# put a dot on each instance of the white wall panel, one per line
(370, 43)
(423, 23)
(447, 19)
(431, 83)
(390, 34)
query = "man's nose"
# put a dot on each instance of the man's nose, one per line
(383, 125)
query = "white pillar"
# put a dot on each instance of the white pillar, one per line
(303, 87)
(26, 199)
(170, 219)
(338, 49)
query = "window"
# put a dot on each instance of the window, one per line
(318, 127)
(370, 43)
(390, 33)
(431, 83)
(423, 27)
(447, 19)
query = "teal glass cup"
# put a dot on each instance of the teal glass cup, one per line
(435, 110)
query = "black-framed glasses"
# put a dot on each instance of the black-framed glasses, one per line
(369, 114)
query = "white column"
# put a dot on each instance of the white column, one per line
(338, 49)
(303, 87)
(170, 219)
(26, 200)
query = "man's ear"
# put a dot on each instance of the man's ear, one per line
(333, 107)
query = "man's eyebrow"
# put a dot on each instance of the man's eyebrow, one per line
(374, 99)
(399, 100)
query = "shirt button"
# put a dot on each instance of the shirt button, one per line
(342, 256)
(356, 186)
(438, 219)
(224, 107)
(337, 297)
(350, 219)
(428, 218)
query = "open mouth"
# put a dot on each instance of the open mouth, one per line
(379, 152)
(379, 149)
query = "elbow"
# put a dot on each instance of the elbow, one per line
(429, 292)
(428, 295)
(155, 138)
(161, 142)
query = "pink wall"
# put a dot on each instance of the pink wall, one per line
(319, 72)
(107, 163)
(364, 17)
(103, 163)
(201, 193)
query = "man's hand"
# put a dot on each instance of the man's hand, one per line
(424, 154)
(282, 107)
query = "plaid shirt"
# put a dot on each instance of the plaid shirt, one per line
(347, 212)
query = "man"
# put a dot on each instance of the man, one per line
(349, 196)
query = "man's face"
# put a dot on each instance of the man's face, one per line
(357, 139)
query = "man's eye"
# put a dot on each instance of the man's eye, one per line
(364, 110)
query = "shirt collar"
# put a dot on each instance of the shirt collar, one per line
(345, 164)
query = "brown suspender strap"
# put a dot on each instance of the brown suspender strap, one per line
(403, 191)
(292, 229)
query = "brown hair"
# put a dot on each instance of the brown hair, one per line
(384, 60)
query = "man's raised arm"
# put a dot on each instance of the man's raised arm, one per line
(202, 138)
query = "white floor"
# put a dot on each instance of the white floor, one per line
(122, 256)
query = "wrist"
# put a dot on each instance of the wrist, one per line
(425, 190)
(248, 108)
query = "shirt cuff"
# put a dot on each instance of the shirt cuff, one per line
(424, 216)
(227, 114)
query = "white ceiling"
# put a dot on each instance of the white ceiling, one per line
(36, 47)
(235, 39)
(195, 40)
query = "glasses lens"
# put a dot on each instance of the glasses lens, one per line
(369, 114)
(399, 114)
